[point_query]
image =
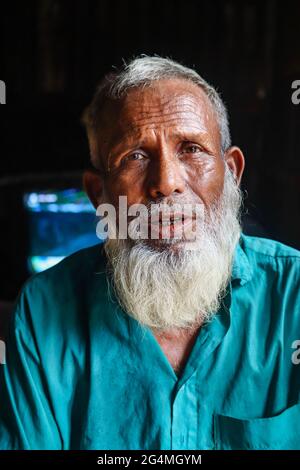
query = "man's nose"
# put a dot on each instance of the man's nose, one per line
(166, 178)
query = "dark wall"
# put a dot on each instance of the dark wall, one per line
(53, 52)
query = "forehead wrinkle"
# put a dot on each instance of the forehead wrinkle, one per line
(158, 119)
(139, 115)
(184, 109)
(181, 106)
(137, 133)
(165, 121)
(154, 111)
(164, 98)
(137, 138)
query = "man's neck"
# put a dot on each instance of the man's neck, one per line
(177, 344)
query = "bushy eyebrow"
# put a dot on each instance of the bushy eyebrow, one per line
(135, 140)
(189, 136)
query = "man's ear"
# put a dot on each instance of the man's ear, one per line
(236, 162)
(93, 186)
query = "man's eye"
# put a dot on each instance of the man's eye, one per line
(134, 156)
(192, 149)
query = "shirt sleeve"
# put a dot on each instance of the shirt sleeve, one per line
(27, 420)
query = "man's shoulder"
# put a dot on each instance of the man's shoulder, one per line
(275, 272)
(62, 289)
(267, 248)
(273, 258)
(274, 287)
(76, 268)
(269, 265)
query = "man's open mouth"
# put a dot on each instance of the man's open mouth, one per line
(173, 226)
(170, 220)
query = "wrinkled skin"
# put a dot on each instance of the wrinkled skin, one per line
(156, 143)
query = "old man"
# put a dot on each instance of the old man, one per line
(159, 342)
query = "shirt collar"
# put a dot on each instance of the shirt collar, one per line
(242, 270)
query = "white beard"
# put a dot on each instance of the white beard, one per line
(165, 289)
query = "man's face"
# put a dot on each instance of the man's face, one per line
(162, 145)
(162, 142)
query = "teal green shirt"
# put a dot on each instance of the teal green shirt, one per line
(81, 374)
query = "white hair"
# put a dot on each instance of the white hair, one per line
(142, 72)
(170, 289)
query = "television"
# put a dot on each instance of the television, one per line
(59, 222)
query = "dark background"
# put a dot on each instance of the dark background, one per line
(53, 52)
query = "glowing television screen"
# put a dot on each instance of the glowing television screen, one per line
(60, 222)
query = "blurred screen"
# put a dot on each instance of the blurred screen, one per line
(60, 222)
